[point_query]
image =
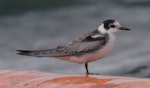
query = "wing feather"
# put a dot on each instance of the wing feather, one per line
(79, 46)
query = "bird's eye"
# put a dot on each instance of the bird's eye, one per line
(111, 26)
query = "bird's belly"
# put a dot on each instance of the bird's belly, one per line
(89, 57)
(99, 53)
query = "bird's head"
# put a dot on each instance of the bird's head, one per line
(111, 26)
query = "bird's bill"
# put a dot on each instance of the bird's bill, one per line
(124, 28)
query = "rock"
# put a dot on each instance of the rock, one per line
(35, 79)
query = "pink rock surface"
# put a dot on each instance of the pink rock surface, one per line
(35, 79)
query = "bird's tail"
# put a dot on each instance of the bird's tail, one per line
(34, 53)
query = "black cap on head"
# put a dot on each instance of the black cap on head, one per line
(107, 23)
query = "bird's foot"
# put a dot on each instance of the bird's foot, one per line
(87, 74)
(94, 74)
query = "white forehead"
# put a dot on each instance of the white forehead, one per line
(117, 24)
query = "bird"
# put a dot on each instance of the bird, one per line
(84, 49)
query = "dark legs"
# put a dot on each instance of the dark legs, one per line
(87, 71)
(86, 67)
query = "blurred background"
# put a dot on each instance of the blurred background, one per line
(42, 24)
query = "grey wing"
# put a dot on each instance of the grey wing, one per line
(82, 45)
(69, 50)
(87, 43)
(41, 53)
(76, 49)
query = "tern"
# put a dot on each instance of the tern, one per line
(84, 49)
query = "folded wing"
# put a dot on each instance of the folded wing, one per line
(80, 46)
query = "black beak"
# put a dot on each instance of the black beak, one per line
(123, 28)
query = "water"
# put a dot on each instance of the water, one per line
(53, 24)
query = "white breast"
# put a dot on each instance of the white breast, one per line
(102, 52)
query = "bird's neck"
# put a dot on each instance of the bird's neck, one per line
(112, 37)
(101, 29)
